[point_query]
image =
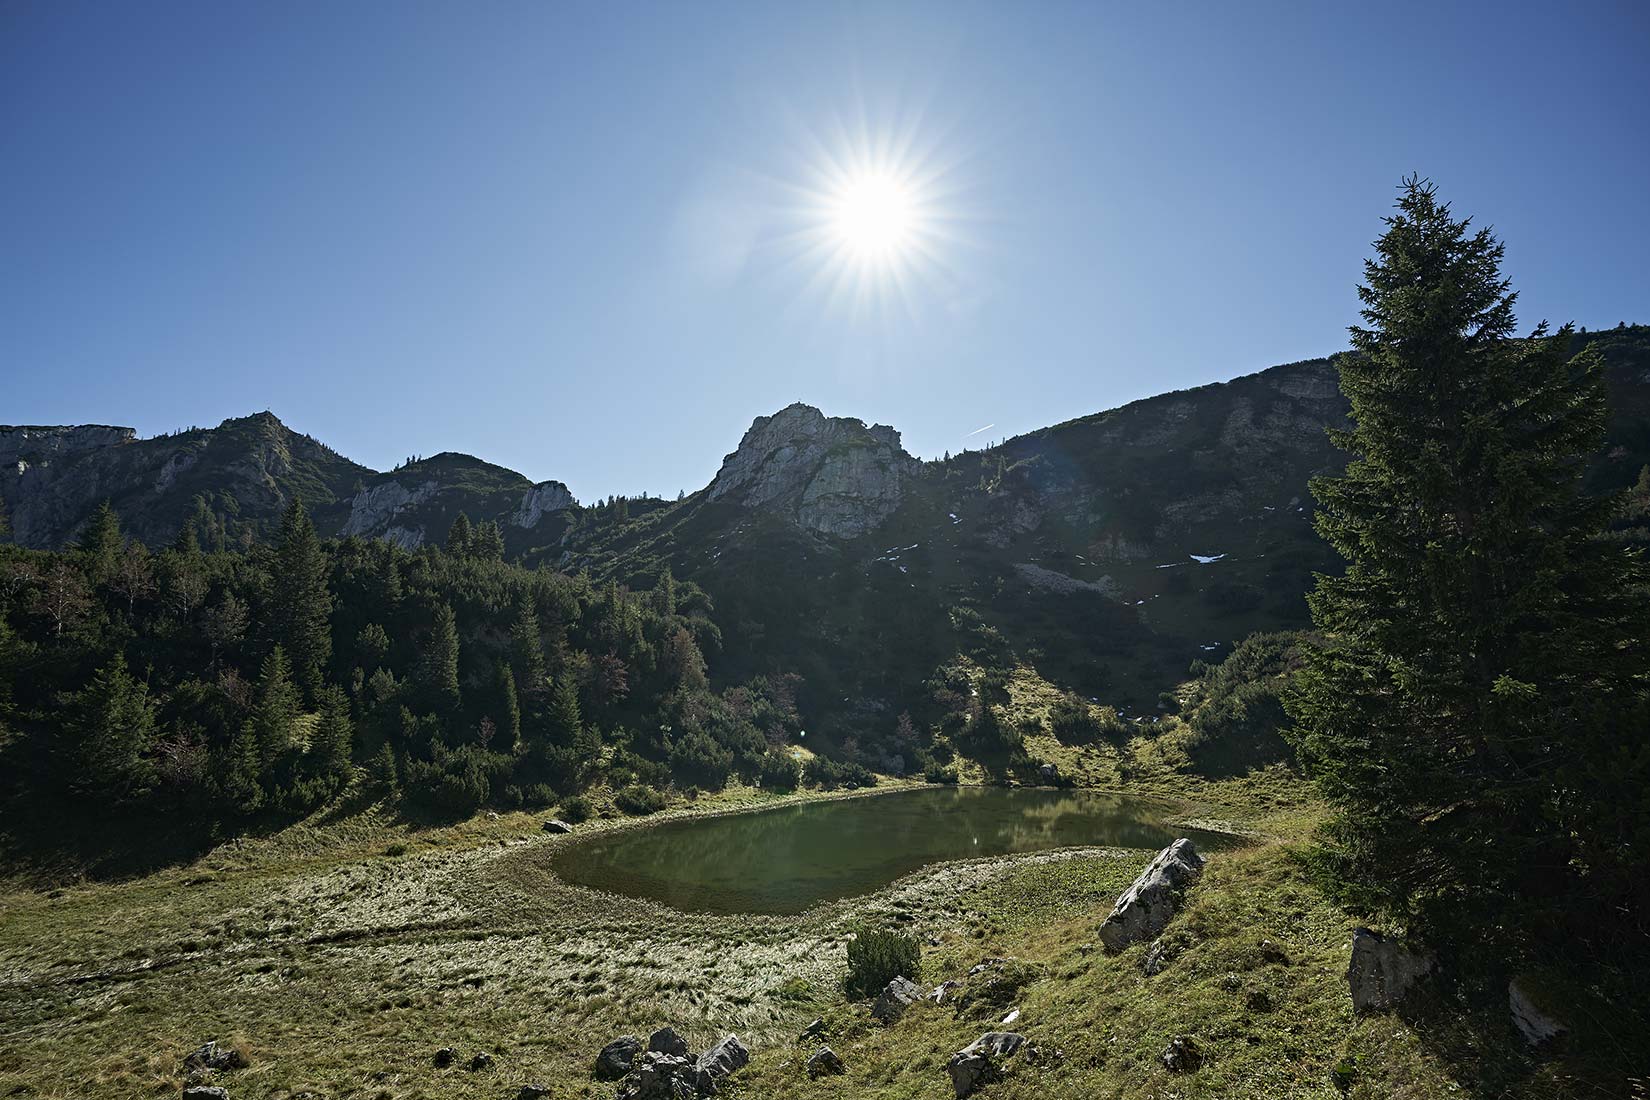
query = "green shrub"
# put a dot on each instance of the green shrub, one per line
(639, 801)
(779, 772)
(938, 773)
(828, 775)
(576, 809)
(878, 956)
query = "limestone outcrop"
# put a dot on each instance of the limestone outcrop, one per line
(1144, 909)
(832, 475)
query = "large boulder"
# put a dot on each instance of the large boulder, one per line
(533, 1091)
(557, 825)
(719, 1062)
(660, 1076)
(1537, 1025)
(616, 1057)
(667, 1041)
(1382, 971)
(825, 1063)
(205, 1092)
(897, 996)
(1144, 909)
(977, 1063)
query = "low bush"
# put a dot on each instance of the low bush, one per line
(576, 809)
(639, 801)
(878, 956)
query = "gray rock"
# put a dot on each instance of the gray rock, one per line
(616, 1057)
(976, 1064)
(1157, 957)
(1181, 1055)
(533, 1091)
(1382, 971)
(660, 1076)
(667, 1041)
(813, 1030)
(720, 1062)
(541, 500)
(1048, 774)
(1144, 909)
(557, 825)
(825, 1063)
(209, 1055)
(827, 474)
(897, 996)
(445, 1057)
(481, 1061)
(1535, 1024)
(944, 990)
(205, 1092)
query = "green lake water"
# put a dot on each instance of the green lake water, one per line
(787, 859)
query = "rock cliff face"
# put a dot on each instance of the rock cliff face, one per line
(545, 498)
(832, 475)
(235, 478)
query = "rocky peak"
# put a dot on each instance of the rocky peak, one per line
(542, 499)
(832, 474)
(32, 443)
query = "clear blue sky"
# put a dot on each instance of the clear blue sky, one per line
(560, 235)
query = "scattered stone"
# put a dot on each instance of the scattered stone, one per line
(445, 1057)
(557, 825)
(667, 1041)
(1157, 957)
(1272, 953)
(1144, 909)
(897, 996)
(1048, 1056)
(1535, 1024)
(534, 1091)
(1382, 971)
(985, 964)
(813, 1030)
(616, 1057)
(975, 1064)
(209, 1055)
(1014, 1014)
(1181, 1055)
(825, 1063)
(481, 1061)
(205, 1092)
(943, 991)
(720, 1062)
(660, 1076)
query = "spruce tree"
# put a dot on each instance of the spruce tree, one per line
(275, 711)
(564, 721)
(100, 544)
(459, 535)
(487, 542)
(439, 672)
(509, 708)
(302, 605)
(328, 755)
(1477, 616)
(111, 731)
(527, 653)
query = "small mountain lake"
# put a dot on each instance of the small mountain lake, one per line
(787, 859)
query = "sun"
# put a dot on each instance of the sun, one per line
(874, 216)
(874, 220)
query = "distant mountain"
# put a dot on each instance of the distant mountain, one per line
(1109, 551)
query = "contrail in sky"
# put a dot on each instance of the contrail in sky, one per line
(977, 431)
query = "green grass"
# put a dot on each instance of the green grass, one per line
(340, 954)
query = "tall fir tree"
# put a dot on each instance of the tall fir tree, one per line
(1479, 618)
(111, 731)
(527, 653)
(328, 756)
(439, 672)
(275, 711)
(509, 708)
(301, 615)
(459, 535)
(100, 544)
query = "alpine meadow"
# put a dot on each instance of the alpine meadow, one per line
(1285, 736)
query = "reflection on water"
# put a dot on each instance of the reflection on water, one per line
(787, 859)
